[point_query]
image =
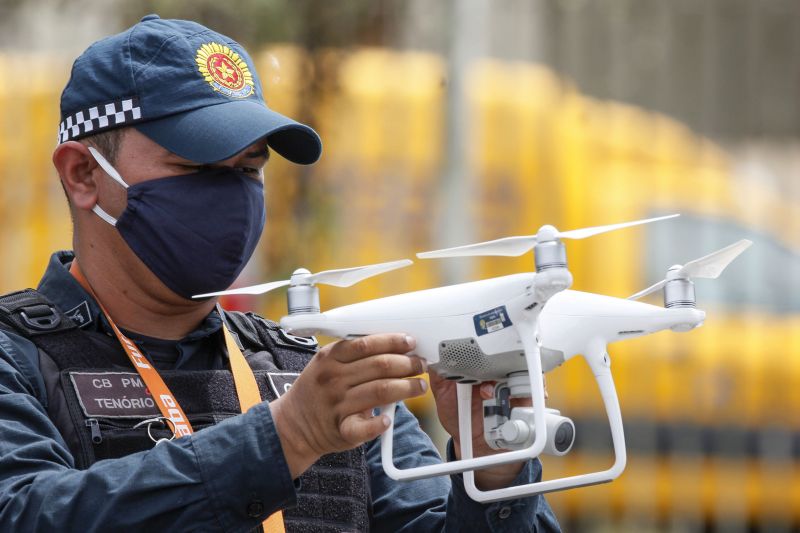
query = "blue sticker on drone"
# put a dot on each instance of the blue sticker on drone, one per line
(491, 321)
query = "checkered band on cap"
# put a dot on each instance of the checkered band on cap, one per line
(99, 118)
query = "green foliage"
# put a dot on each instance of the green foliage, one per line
(312, 23)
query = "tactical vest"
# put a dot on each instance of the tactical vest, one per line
(334, 493)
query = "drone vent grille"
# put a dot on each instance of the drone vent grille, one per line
(464, 357)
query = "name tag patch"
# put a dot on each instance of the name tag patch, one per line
(491, 321)
(281, 382)
(113, 395)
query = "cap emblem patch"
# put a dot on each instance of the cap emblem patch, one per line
(225, 70)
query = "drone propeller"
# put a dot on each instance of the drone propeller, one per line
(709, 267)
(343, 277)
(515, 246)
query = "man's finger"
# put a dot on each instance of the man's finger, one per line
(436, 379)
(355, 349)
(382, 392)
(487, 391)
(522, 402)
(381, 366)
(360, 427)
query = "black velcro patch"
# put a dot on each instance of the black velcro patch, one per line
(80, 314)
(281, 382)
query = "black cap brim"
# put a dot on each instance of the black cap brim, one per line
(215, 133)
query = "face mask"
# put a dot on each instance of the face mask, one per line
(195, 232)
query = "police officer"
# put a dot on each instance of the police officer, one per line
(120, 396)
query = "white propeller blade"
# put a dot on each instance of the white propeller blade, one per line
(712, 265)
(515, 246)
(253, 289)
(589, 232)
(508, 246)
(709, 266)
(343, 277)
(649, 290)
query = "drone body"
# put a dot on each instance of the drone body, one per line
(465, 332)
(472, 332)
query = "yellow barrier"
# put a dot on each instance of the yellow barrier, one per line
(542, 153)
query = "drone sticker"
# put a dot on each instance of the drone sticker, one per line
(491, 321)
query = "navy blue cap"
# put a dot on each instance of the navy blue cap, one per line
(188, 88)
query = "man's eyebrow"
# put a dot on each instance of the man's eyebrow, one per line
(257, 154)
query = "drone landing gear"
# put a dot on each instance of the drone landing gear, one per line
(535, 384)
(599, 363)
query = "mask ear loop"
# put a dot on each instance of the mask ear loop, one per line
(112, 172)
(105, 165)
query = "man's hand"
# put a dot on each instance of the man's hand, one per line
(329, 407)
(444, 392)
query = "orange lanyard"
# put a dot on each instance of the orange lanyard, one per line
(243, 378)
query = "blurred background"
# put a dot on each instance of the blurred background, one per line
(453, 121)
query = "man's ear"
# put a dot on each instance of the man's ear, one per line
(76, 168)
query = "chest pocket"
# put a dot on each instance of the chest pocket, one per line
(108, 408)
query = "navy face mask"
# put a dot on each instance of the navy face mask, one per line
(195, 232)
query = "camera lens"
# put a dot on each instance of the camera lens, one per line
(564, 436)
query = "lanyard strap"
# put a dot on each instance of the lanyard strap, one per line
(243, 378)
(161, 394)
(247, 391)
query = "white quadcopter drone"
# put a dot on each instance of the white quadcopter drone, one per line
(489, 331)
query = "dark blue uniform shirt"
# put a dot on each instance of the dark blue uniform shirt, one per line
(212, 479)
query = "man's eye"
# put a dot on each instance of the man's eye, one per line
(196, 168)
(251, 171)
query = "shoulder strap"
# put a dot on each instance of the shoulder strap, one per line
(31, 314)
(37, 319)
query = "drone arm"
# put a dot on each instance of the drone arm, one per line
(598, 361)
